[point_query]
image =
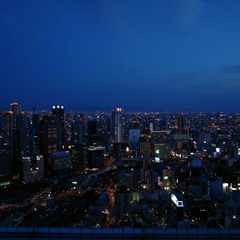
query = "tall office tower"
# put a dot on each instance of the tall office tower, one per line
(117, 125)
(5, 169)
(79, 158)
(7, 124)
(127, 178)
(95, 156)
(49, 136)
(58, 112)
(78, 132)
(21, 121)
(121, 204)
(61, 164)
(108, 125)
(13, 119)
(15, 108)
(32, 168)
(35, 122)
(180, 124)
(94, 136)
(21, 143)
(145, 147)
(92, 127)
(204, 137)
(134, 133)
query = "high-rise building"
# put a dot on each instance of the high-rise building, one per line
(61, 164)
(15, 108)
(145, 146)
(35, 122)
(21, 121)
(21, 143)
(7, 124)
(78, 132)
(134, 133)
(118, 125)
(5, 170)
(94, 135)
(180, 124)
(49, 136)
(127, 178)
(92, 127)
(95, 156)
(58, 112)
(32, 168)
(122, 204)
(79, 157)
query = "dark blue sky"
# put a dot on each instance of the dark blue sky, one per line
(143, 55)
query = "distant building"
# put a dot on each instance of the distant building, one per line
(5, 168)
(61, 164)
(21, 143)
(180, 124)
(78, 132)
(58, 112)
(145, 147)
(35, 122)
(49, 136)
(204, 137)
(8, 123)
(15, 108)
(118, 125)
(161, 144)
(94, 135)
(95, 156)
(122, 204)
(32, 168)
(127, 178)
(134, 135)
(79, 157)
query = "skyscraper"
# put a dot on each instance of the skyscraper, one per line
(78, 132)
(58, 112)
(117, 125)
(180, 124)
(49, 136)
(32, 168)
(15, 108)
(134, 133)
(121, 204)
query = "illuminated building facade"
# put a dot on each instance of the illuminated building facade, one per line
(180, 124)
(58, 112)
(61, 164)
(145, 146)
(118, 125)
(32, 168)
(95, 156)
(49, 136)
(78, 132)
(15, 108)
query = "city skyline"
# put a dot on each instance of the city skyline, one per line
(143, 56)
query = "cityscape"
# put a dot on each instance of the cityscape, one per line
(119, 119)
(64, 168)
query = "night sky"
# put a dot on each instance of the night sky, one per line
(140, 55)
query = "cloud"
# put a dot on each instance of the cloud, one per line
(220, 88)
(188, 11)
(187, 78)
(232, 69)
